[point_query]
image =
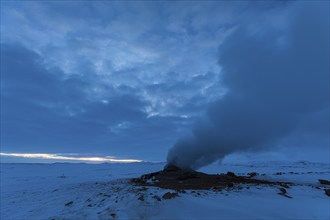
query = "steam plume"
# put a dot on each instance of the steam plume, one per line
(277, 76)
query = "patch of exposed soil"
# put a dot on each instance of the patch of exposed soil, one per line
(169, 195)
(175, 178)
(324, 182)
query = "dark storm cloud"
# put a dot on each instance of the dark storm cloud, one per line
(41, 108)
(44, 110)
(278, 83)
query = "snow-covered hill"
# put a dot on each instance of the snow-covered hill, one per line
(102, 191)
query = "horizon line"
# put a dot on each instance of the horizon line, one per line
(46, 156)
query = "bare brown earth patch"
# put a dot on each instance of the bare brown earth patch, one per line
(324, 182)
(172, 177)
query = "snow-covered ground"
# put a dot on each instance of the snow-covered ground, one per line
(102, 191)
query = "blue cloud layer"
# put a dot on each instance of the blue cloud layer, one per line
(122, 78)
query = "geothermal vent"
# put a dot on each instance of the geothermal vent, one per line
(172, 177)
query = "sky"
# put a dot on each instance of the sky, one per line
(126, 80)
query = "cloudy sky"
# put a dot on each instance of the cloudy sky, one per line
(127, 79)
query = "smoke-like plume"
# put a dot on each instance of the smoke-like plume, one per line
(277, 75)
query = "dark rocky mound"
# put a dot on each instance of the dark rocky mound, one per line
(327, 192)
(172, 177)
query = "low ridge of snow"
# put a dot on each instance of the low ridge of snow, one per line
(102, 191)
